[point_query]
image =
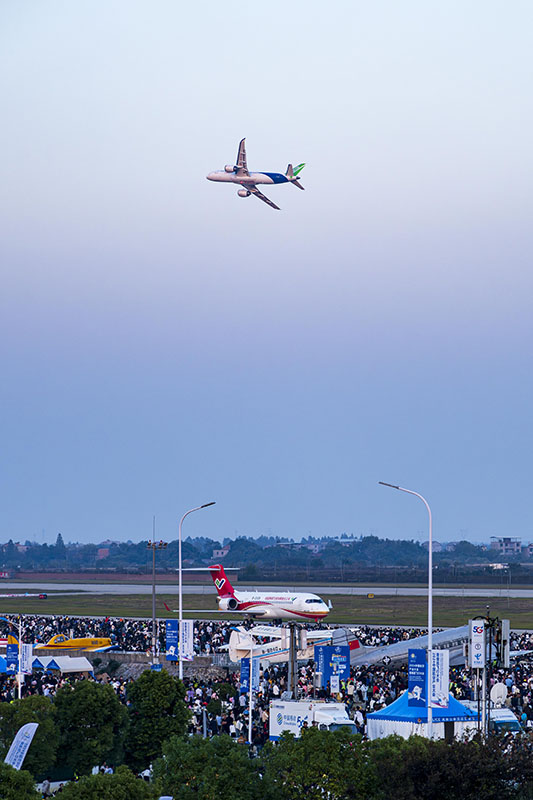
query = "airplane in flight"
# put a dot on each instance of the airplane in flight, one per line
(248, 181)
(267, 605)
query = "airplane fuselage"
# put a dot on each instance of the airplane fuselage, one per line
(266, 605)
(253, 178)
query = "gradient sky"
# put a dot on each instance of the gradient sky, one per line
(166, 343)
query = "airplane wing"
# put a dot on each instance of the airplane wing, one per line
(266, 630)
(242, 166)
(255, 191)
(221, 613)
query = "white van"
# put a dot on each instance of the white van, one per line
(501, 720)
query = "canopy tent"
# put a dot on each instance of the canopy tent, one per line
(404, 720)
(63, 664)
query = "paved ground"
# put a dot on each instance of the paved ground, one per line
(128, 588)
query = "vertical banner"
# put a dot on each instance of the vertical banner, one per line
(476, 650)
(245, 675)
(334, 684)
(12, 659)
(26, 655)
(416, 678)
(171, 639)
(20, 745)
(187, 640)
(332, 661)
(439, 678)
(255, 674)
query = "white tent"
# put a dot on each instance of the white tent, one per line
(66, 664)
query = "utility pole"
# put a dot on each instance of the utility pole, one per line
(153, 546)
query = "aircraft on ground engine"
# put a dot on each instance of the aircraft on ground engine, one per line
(267, 605)
(238, 173)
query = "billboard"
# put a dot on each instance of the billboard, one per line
(476, 644)
(331, 661)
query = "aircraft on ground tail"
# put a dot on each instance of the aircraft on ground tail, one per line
(238, 173)
(267, 605)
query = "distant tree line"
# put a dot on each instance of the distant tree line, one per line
(363, 559)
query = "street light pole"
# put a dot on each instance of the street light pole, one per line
(153, 546)
(430, 595)
(180, 583)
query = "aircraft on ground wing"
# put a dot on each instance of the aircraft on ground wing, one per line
(267, 605)
(452, 639)
(277, 650)
(392, 655)
(238, 173)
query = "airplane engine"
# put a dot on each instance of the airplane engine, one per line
(229, 168)
(228, 604)
(244, 193)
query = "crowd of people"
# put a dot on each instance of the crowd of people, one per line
(366, 690)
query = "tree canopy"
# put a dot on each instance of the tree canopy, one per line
(16, 784)
(92, 723)
(157, 711)
(123, 785)
(203, 769)
(42, 751)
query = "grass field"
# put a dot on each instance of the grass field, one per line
(381, 610)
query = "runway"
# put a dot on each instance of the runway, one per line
(129, 588)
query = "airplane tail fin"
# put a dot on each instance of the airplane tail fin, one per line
(221, 581)
(292, 174)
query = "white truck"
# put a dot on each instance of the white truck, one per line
(291, 716)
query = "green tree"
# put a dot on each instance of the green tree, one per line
(157, 711)
(204, 769)
(16, 784)
(319, 764)
(42, 753)
(418, 769)
(123, 785)
(92, 725)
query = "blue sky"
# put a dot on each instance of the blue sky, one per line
(166, 343)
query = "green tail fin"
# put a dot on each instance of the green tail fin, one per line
(298, 169)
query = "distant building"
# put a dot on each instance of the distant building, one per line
(437, 547)
(506, 545)
(102, 552)
(222, 552)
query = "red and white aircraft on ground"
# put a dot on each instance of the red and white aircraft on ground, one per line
(267, 605)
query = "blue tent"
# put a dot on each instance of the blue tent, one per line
(400, 711)
(3, 665)
(404, 720)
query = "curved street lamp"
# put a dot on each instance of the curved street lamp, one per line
(180, 584)
(430, 593)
